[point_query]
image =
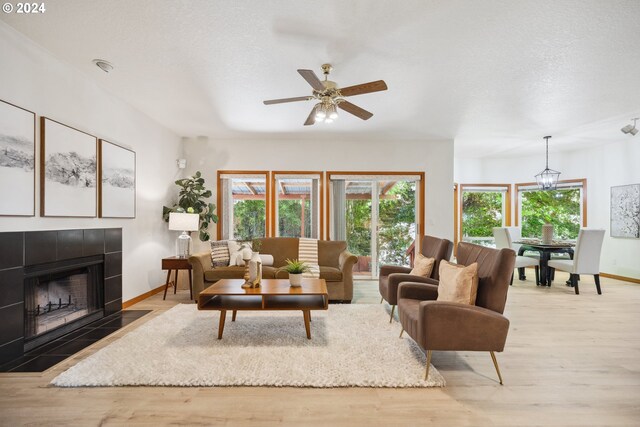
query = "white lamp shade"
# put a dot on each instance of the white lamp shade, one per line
(184, 221)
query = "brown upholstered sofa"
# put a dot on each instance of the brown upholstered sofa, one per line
(336, 266)
(392, 275)
(441, 325)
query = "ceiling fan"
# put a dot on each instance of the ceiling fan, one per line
(329, 97)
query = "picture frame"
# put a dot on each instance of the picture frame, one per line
(625, 211)
(117, 183)
(68, 171)
(17, 160)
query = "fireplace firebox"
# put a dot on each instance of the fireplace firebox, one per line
(60, 297)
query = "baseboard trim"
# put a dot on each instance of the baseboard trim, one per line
(142, 297)
(616, 277)
(623, 278)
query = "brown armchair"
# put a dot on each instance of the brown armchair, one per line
(392, 275)
(440, 325)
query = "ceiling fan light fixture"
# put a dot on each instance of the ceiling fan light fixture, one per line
(330, 97)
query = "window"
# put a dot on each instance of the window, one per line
(243, 201)
(564, 208)
(297, 204)
(483, 207)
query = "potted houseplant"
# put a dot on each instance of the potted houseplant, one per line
(256, 244)
(295, 268)
(192, 198)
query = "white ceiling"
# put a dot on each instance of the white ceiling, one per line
(495, 76)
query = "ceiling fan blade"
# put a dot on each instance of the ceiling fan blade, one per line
(355, 110)
(311, 120)
(283, 100)
(312, 79)
(363, 88)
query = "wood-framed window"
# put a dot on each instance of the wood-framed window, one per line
(297, 204)
(479, 208)
(565, 208)
(244, 204)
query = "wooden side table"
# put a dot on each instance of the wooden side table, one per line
(176, 263)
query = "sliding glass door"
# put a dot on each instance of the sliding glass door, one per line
(378, 216)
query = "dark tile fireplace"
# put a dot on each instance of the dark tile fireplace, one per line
(54, 282)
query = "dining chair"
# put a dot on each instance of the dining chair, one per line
(586, 258)
(504, 240)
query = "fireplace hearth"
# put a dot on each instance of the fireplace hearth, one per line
(54, 282)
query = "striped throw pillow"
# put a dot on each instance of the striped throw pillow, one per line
(219, 254)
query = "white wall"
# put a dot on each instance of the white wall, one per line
(435, 158)
(33, 79)
(603, 166)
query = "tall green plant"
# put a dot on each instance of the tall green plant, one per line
(192, 199)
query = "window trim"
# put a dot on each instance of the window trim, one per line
(241, 173)
(581, 181)
(459, 189)
(274, 176)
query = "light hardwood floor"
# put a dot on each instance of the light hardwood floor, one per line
(569, 360)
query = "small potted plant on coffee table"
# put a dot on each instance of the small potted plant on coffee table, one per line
(295, 268)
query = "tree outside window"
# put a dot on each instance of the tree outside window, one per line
(249, 219)
(290, 217)
(481, 212)
(397, 223)
(560, 207)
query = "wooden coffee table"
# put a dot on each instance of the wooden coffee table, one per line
(273, 294)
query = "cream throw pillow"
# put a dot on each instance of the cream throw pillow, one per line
(235, 252)
(458, 283)
(422, 266)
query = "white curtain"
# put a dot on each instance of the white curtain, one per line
(226, 209)
(314, 206)
(339, 210)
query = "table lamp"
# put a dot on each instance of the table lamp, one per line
(184, 222)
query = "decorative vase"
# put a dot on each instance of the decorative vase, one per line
(253, 266)
(547, 234)
(295, 279)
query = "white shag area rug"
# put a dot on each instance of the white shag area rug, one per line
(352, 345)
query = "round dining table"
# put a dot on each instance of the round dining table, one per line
(545, 250)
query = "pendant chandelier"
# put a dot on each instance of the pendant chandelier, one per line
(548, 178)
